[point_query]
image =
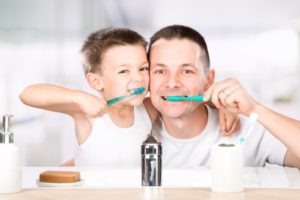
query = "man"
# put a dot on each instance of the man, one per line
(180, 65)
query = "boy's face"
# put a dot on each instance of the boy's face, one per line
(176, 69)
(123, 69)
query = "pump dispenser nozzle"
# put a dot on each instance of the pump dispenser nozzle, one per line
(6, 136)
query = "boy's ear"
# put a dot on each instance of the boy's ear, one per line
(210, 78)
(95, 81)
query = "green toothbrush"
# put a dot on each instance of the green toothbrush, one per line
(117, 99)
(184, 98)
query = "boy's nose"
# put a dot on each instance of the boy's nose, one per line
(137, 77)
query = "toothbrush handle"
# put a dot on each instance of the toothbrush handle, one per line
(194, 98)
(114, 100)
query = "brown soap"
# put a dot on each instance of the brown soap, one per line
(60, 176)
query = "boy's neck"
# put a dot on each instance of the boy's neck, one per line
(187, 126)
(122, 116)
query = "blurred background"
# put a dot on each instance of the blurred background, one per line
(254, 40)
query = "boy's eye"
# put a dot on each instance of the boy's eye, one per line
(123, 71)
(144, 69)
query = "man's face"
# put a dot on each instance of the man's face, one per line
(176, 69)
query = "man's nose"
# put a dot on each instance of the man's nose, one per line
(173, 80)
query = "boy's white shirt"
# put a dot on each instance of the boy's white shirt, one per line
(111, 146)
(260, 147)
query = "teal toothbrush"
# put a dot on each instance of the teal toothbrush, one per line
(252, 119)
(117, 99)
(184, 98)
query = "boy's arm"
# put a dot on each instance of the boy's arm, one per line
(229, 121)
(64, 100)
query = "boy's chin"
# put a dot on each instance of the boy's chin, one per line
(136, 102)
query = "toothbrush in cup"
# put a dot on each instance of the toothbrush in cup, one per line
(252, 119)
(117, 99)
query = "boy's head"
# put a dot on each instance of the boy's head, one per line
(115, 63)
(100, 41)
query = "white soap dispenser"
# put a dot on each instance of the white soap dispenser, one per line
(10, 166)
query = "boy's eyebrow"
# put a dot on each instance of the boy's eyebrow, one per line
(146, 62)
(126, 65)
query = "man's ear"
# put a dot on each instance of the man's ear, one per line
(95, 81)
(210, 78)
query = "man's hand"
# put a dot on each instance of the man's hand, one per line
(230, 94)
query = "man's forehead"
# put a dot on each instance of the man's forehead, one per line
(175, 48)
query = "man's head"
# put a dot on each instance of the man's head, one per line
(179, 65)
(182, 32)
(115, 63)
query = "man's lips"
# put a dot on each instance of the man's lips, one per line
(164, 97)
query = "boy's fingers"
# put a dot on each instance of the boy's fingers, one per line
(222, 119)
(235, 127)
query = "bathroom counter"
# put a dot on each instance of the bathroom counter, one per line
(254, 177)
(260, 183)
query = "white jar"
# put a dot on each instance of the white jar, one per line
(227, 167)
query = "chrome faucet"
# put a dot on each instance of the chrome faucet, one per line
(151, 161)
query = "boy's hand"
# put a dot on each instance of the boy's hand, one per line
(229, 122)
(91, 105)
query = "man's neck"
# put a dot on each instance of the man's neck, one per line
(187, 126)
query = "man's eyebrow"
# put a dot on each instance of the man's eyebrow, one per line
(159, 65)
(188, 65)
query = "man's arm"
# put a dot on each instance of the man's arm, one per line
(287, 130)
(231, 95)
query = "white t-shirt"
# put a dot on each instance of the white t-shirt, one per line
(260, 147)
(111, 146)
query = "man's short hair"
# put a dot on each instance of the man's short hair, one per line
(181, 32)
(100, 41)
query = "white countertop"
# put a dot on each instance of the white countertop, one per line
(254, 177)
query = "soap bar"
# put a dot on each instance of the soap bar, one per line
(60, 176)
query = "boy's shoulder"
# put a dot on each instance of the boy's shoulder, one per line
(152, 112)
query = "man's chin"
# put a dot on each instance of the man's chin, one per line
(172, 114)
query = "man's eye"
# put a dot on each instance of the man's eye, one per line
(159, 71)
(123, 71)
(144, 69)
(187, 71)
